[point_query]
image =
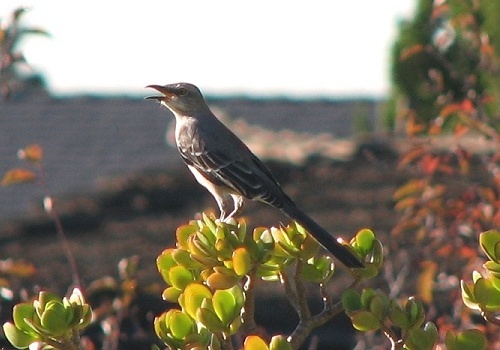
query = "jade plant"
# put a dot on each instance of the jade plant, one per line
(49, 321)
(213, 269)
(483, 293)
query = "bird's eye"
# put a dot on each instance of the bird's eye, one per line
(182, 91)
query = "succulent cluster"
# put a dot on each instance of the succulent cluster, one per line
(373, 310)
(483, 293)
(209, 274)
(49, 320)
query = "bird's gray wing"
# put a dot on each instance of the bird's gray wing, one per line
(248, 176)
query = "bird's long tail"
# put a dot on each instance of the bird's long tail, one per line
(322, 236)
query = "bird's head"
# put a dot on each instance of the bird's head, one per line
(180, 98)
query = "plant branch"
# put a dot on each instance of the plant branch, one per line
(303, 310)
(249, 326)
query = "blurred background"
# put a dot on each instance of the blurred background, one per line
(78, 87)
(370, 114)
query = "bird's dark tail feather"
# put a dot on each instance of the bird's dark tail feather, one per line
(322, 236)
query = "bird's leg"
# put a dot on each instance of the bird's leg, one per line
(238, 205)
(224, 202)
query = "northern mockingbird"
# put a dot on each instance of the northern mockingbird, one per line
(226, 167)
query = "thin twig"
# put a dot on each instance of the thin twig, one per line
(396, 343)
(49, 207)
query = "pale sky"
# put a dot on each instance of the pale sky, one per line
(262, 47)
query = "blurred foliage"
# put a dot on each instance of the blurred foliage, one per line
(445, 62)
(16, 75)
(447, 101)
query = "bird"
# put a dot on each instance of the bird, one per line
(222, 163)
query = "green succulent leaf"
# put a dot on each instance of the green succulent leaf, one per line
(364, 241)
(219, 280)
(171, 294)
(193, 296)
(180, 325)
(164, 263)
(468, 339)
(182, 234)
(210, 320)
(183, 257)
(22, 312)
(489, 242)
(180, 277)
(225, 306)
(487, 296)
(279, 342)
(364, 321)
(493, 268)
(18, 338)
(379, 306)
(351, 300)
(422, 338)
(54, 318)
(366, 295)
(398, 316)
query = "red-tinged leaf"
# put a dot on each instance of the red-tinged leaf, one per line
(429, 164)
(449, 109)
(467, 106)
(17, 176)
(468, 252)
(445, 250)
(410, 51)
(461, 130)
(32, 153)
(435, 129)
(487, 49)
(488, 99)
(446, 169)
(439, 11)
(412, 155)
(413, 128)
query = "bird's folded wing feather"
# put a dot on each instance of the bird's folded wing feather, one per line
(248, 177)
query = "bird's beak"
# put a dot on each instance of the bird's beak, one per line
(162, 89)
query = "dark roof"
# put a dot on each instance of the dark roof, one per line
(88, 138)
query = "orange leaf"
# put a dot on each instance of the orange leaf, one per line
(32, 153)
(409, 188)
(16, 176)
(17, 268)
(425, 284)
(445, 251)
(412, 155)
(467, 106)
(406, 203)
(468, 252)
(413, 128)
(487, 49)
(449, 109)
(410, 51)
(461, 130)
